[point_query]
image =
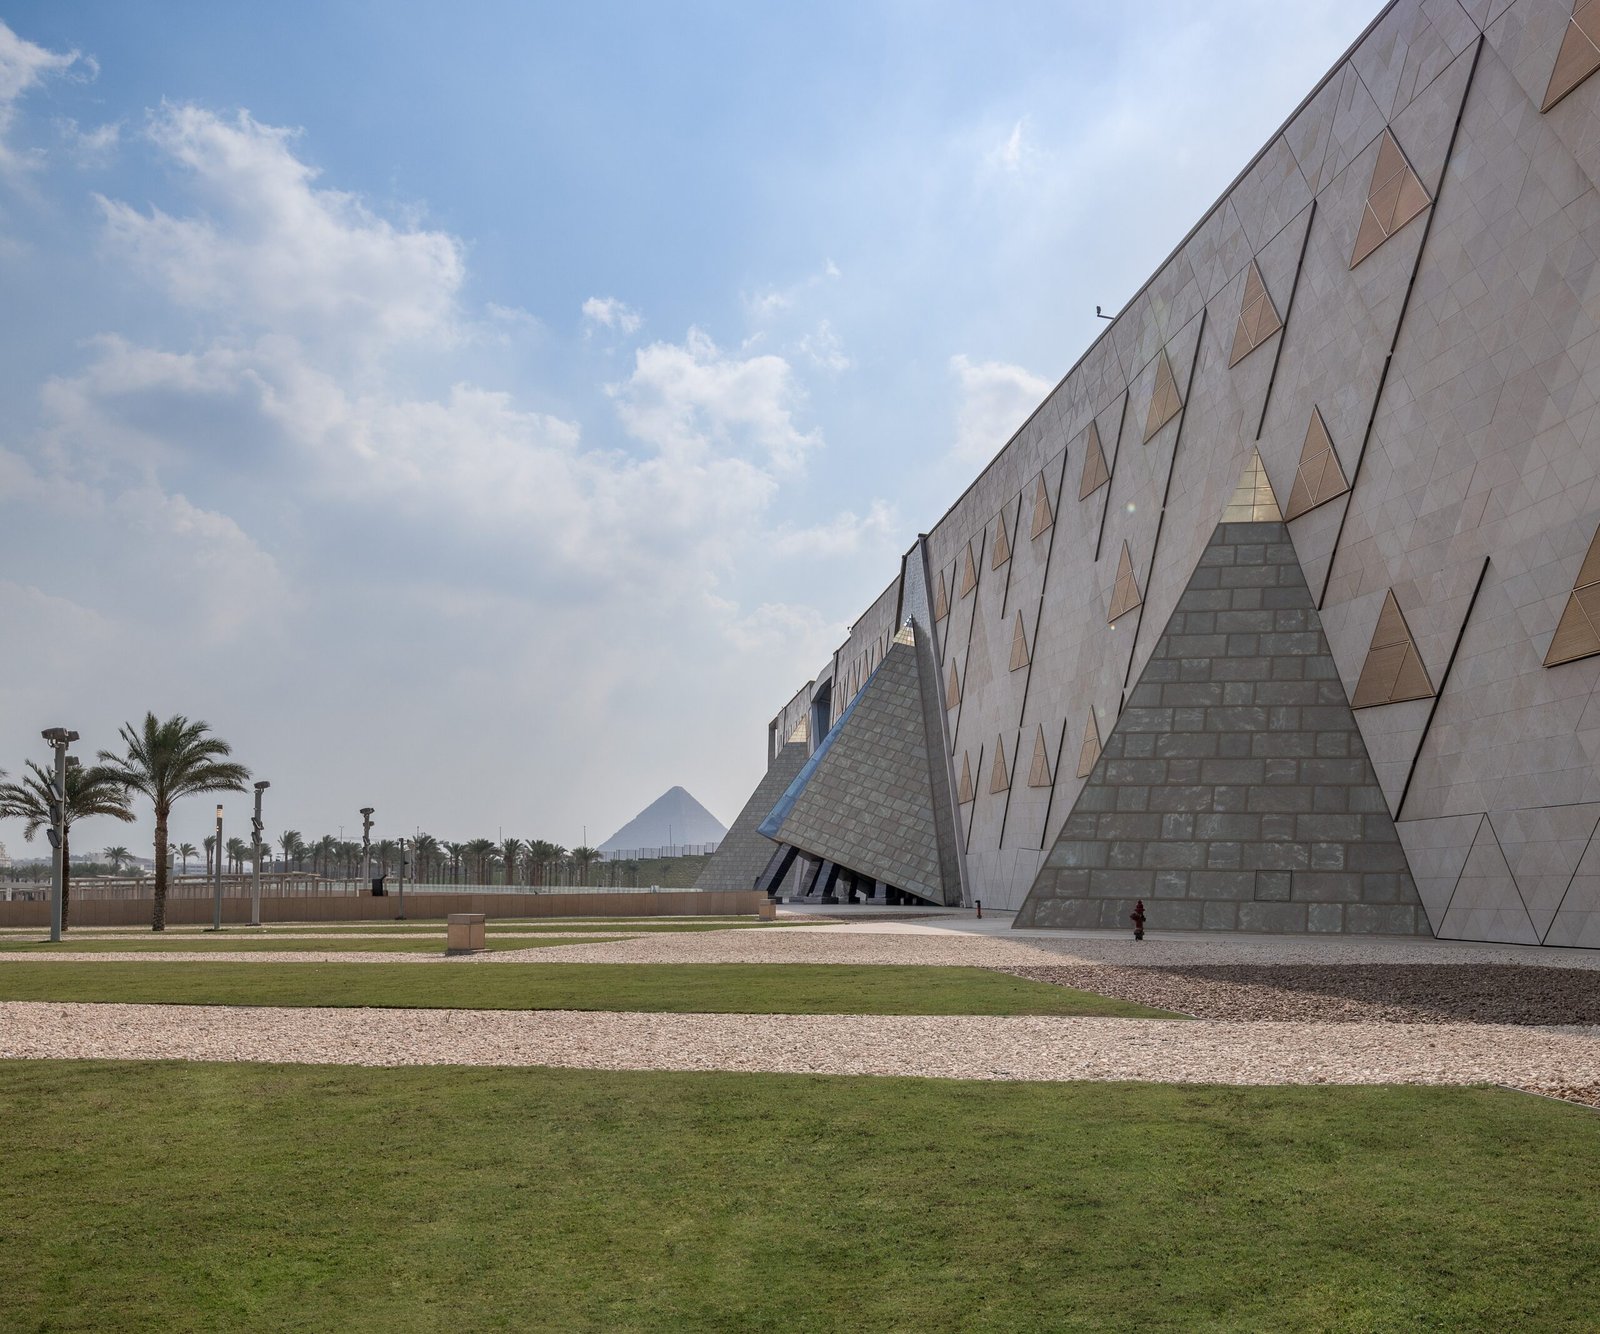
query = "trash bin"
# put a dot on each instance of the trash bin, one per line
(377, 886)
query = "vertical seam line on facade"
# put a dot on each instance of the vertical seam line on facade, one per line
(1055, 778)
(1400, 321)
(972, 814)
(1288, 314)
(1111, 478)
(1005, 814)
(1016, 532)
(972, 626)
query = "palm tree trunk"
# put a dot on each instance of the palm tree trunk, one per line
(158, 916)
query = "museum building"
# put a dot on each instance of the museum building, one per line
(1282, 611)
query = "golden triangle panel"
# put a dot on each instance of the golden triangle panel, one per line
(1578, 633)
(1319, 478)
(1258, 317)
(1125, 594)
(1019, 645)
(1039, 773)
(1165, 401)
(1095, 472)
(1253, 501)
(1089, 753)
(999, 776)
(952, 690)
(941, 600)
(1394, 670)
(1394, 197)
(1579, 56)
(969, 573)
(1002, 543)
(1043, 517)
(964, 793)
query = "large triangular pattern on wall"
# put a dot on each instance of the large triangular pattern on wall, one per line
(1393, 670)
(952, 690)
(1577, 919)
(1234, 791)
(1001, 552)
(1319, 478)
(1095, 473)
(1485, 905)
(1579, 56)
(864, 800)
(941, 600)
(1039, 774)
(744, 851)
(1019, 645)
(1578, 632)
(1542, 848)
(964, 792)
(1165, 401)
(1437, 850)
(1394, 196)
(969, 572)
(1000, 775)
(1043, 515)
(1089, 752)
(1258, 317)
(1125, 594)
(1253, 500)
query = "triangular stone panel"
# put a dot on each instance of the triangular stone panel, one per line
(1019, 645)
(969, 572)
(1542, 848)
(952, 690)
(864, 800)
(964, 792)
(941, 600)
(1253, 501)
(1437, 850)
(1578, 632)
(1393, 670)
(744, 851)
(1043, 515)
(1001, 552)
(1089, 752)
(1577, 920)
(1486, 905)
(1165, 400)
(1258, 317)
(1394, 197)
(1095, 472)
(1125, 594)
(1234, 791)
(1319, 478)
(1579, 56)
(1039, 774)
(1000, 775)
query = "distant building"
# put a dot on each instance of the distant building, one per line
(673, 825)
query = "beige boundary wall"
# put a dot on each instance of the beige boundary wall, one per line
(419, 906)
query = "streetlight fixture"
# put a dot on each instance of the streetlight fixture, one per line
(59, 738)
(401, 915)
(255, 835)
(366, 846)
(216, 869)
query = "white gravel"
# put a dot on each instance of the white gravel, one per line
(1036, 1048)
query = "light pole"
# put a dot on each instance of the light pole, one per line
(216, 908)
(59, 738)
(255, 835)
(366, 848)
(401, 915)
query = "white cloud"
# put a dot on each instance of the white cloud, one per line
(687, 398)
(823, 349)
(846, 534)
(610, 313)
(23, 65)
(90, 148)
(1013, 151)
(275, 251)
(995, 400)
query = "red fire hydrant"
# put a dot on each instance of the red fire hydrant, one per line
(1137, 916)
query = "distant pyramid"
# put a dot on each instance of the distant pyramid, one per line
(673, 818)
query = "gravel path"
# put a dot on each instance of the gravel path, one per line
(1348, 993)
(1034, 1048)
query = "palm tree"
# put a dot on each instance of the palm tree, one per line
(166, 761)
(210, 840)
(186, 851)
(291, 843)
(510, 849)
(541, 854)
(118, 857)
(583, 859)
(386, 848)
(238, 850)
(426, 848)
(92, 791)
(481, 850)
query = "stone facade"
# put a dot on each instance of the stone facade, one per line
(744, 851)
(1425, 229)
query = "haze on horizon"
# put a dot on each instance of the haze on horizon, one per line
(491, 416)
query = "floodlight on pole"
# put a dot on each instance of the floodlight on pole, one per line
(59, 738)
(366, 845)
(255, 835)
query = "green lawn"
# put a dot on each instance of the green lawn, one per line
(250, 944)
(724, 988)
(146, 1196)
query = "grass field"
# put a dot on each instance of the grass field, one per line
(257, 944)
(178, 1197)
(84, 937)
(667, 988)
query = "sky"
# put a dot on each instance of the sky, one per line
(493, 413)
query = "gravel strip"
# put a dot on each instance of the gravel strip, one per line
(1348, 993)
(991, 1048)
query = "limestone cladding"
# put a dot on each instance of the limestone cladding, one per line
(744, 851)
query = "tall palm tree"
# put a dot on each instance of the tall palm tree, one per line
(238, 851)
(386, 849)
(210, 840)
(583, 859)
(541, 853)
(481, 850)
(510, 850)
(117, 856)
(186, 851)
(291, 842)
(426, 849)
(91, 791)
(166, 761)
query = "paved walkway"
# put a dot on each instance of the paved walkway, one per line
(1035, 1048)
